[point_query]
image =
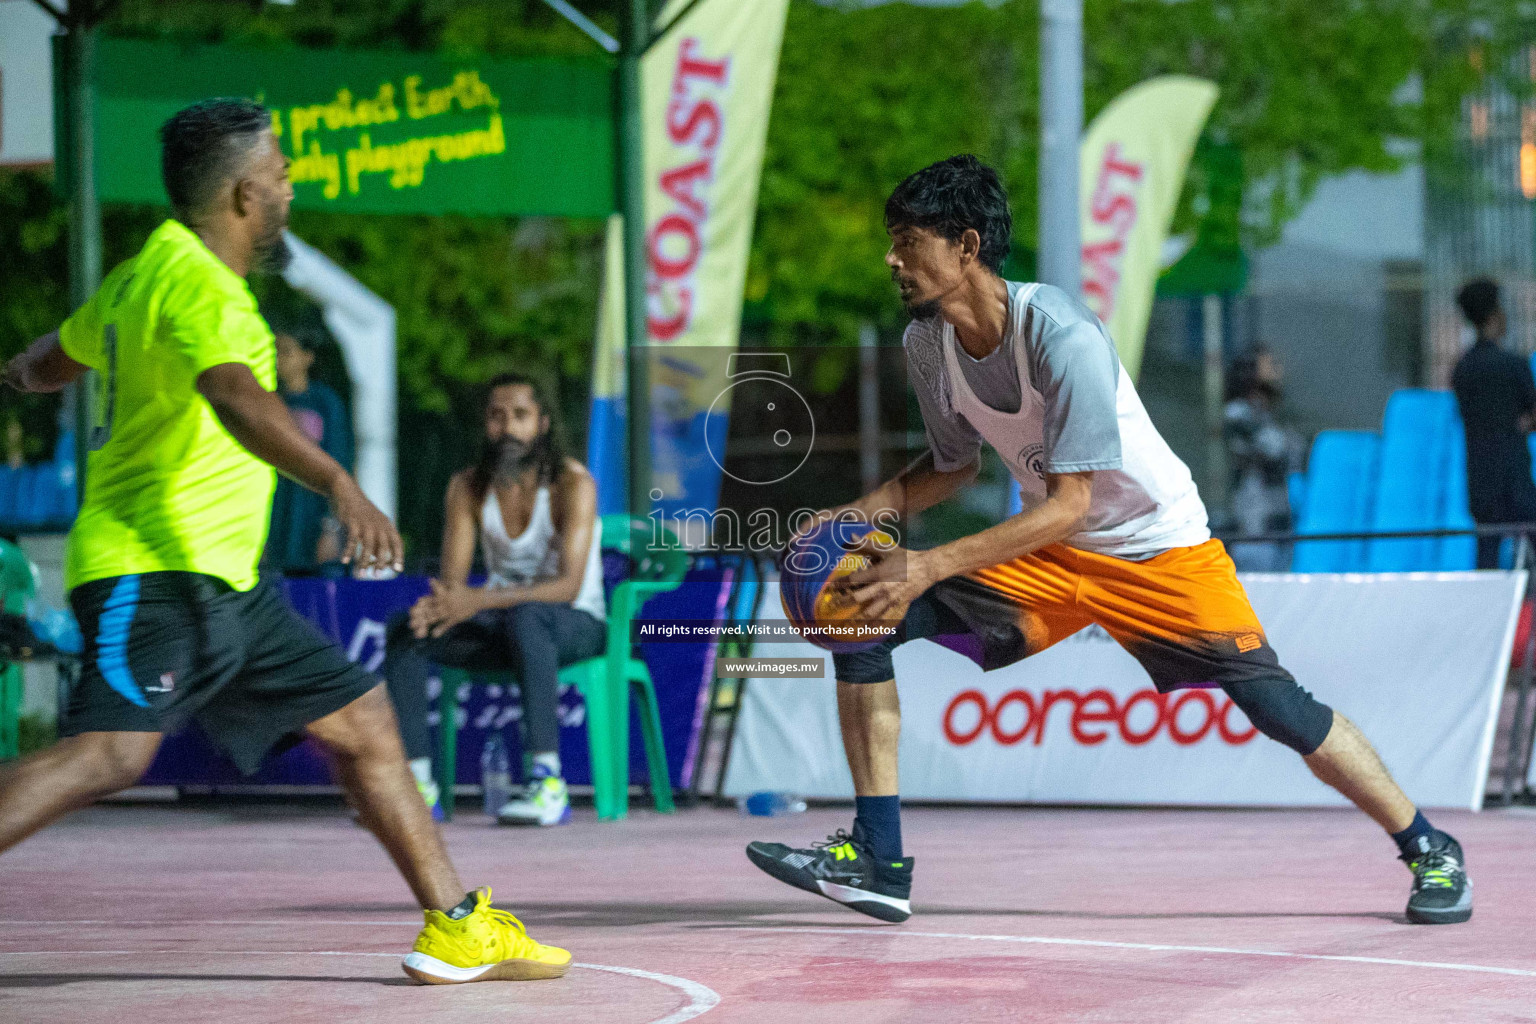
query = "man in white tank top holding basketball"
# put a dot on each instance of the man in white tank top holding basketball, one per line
(1113, 532)
(534, 512)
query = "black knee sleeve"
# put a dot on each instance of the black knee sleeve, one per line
(926, 617)
(1280, 709)
(871, 666)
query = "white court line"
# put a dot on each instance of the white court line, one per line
(1155, 947)
(1026, 939)
(144, 922)
(701, 998)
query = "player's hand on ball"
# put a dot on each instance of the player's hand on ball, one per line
(886, 588)
(372, 540)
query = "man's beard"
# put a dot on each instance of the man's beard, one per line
(507, 458)
(922, 310)
(270, 252)
(916, 310)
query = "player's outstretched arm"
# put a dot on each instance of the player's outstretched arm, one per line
(43, 366)
(258, 419)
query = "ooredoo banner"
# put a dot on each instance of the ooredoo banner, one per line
(1417, 660)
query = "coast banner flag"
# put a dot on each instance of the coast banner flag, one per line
(707, 89)
(1132, 164)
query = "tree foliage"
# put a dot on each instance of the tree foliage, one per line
(474, 295)
(1308, 90)
(864, 97)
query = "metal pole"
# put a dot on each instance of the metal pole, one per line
(78, 51)
(1059, 261)
(869, 406)
(1514, 759)
(631, 151)
(1215, 484)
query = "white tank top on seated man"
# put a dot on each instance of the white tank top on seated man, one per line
(534, 555)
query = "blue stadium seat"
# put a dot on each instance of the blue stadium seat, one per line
(1456, 552)
(26, 487)
(8, 482)
(1417, 436)
(62, 509)
(43, 502)
(1340, 495)
(1296, 494)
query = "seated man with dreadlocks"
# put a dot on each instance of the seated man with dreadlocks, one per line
(541, 607)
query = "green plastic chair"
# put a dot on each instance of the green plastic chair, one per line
(17, 586)
(605, 682)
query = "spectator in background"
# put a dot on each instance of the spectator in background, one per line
(534, 512)
(1261, 453)
(302, 533)
(1497, 396)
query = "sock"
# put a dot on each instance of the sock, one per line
(879, 818)
(1408, 840)
(546, 766)
(463, 909)
(421, 767)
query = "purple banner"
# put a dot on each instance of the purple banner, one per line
(355, 613)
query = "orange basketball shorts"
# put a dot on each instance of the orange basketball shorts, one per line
(1182, 614)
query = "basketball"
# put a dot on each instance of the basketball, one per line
(823, 615)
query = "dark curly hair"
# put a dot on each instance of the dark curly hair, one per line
(952, 196)
(1479, 300)
(548, 452)
(205, 145)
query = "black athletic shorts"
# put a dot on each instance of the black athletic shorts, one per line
(162, 648)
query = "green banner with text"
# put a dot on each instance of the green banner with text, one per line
(377, 132)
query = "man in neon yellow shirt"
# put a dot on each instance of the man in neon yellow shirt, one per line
(162, 559)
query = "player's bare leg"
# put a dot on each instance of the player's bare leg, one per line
(1442, 892)
(364, 742)
(870, 717)
(853, 869)
(43, 787)
(1347, 762)
(464, 938)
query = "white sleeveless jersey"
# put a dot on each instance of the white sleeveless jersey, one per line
(534, 555)
(1078, 411)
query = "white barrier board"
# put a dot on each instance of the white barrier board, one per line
(1417, 660)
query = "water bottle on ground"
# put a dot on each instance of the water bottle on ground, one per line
(770, 805)
(495, 774)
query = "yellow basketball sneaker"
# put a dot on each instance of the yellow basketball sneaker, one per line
(484, 945)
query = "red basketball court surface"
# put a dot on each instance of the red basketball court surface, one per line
(282, 913)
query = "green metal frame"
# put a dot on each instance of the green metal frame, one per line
(16, 588)
(10, 711)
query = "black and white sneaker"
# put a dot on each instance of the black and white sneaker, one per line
(843, 869)
(1442, 892)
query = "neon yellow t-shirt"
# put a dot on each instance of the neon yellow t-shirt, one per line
(167, 487)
